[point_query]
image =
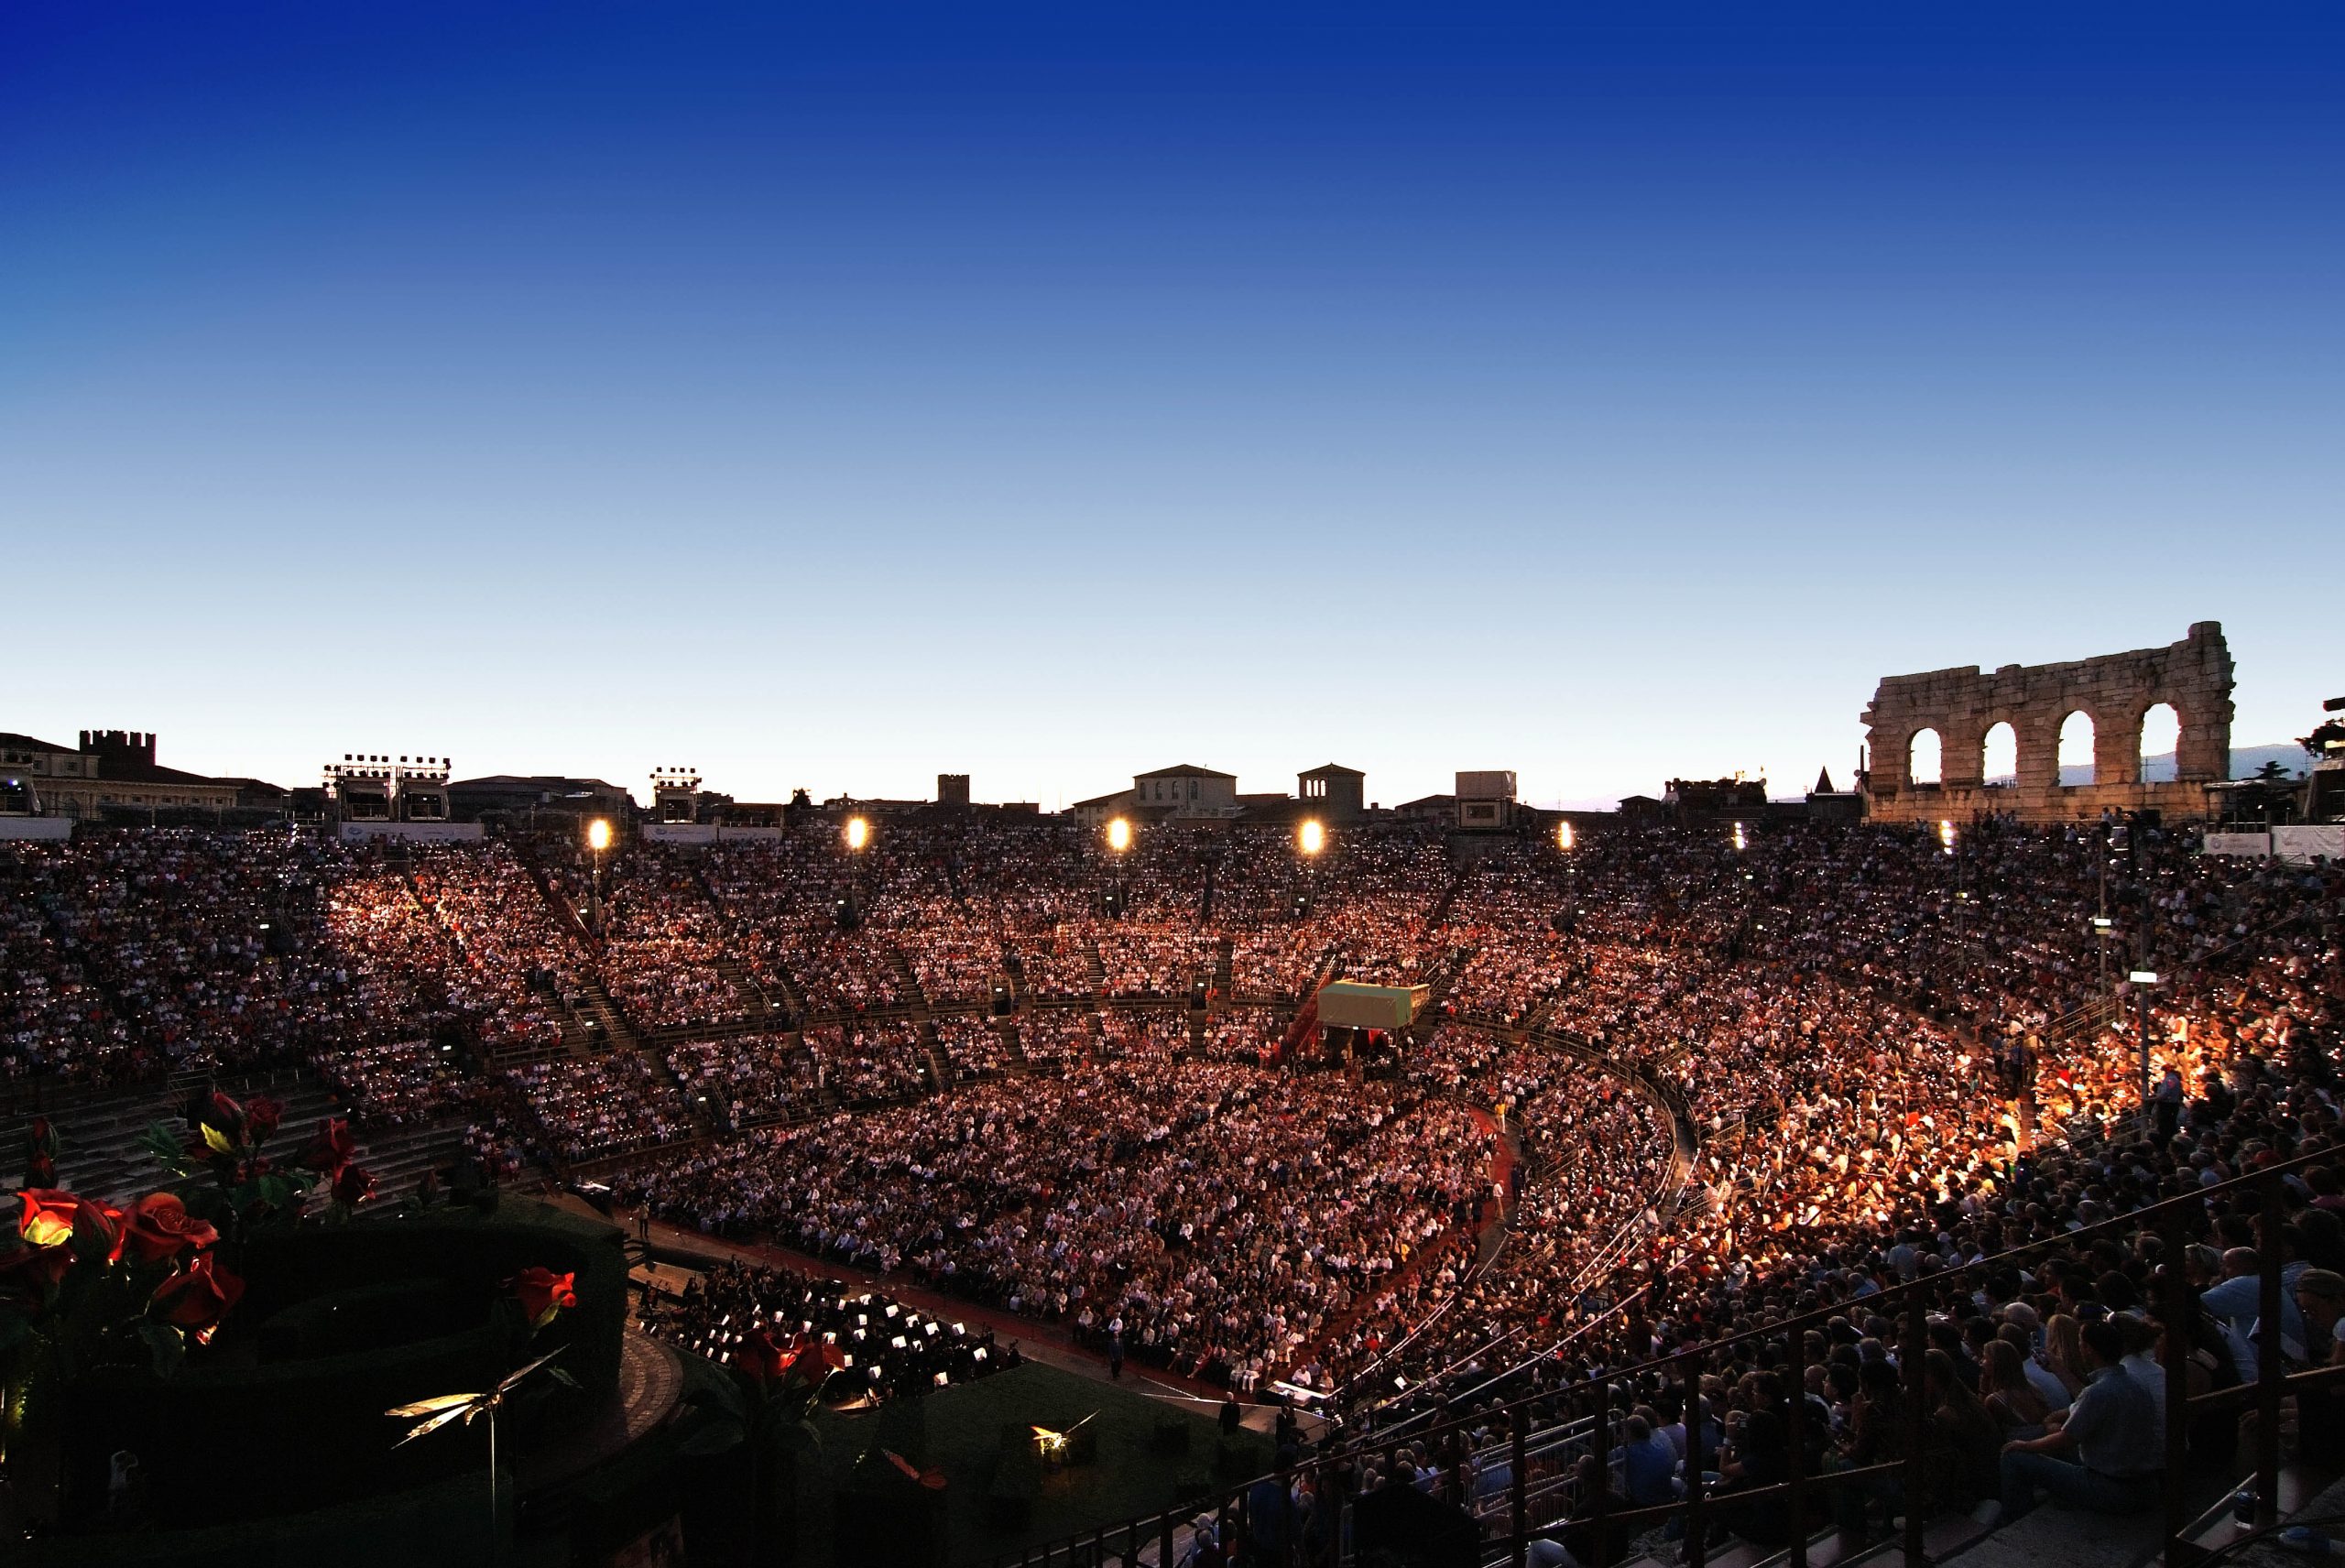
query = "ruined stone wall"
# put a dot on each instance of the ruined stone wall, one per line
(2114, 690)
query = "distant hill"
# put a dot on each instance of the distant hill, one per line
(2246, 761)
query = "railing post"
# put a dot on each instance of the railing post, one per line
(1916, 1476)
(1600, 1437)
(1286, 1515)
(2269, 1371)
(2180, 1311)
(1519, 1488)
(1696, 1527)
(1795, 1437)
(1164, 1541)
(1331, 1508)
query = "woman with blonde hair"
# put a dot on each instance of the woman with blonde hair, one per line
(2009, 1397)
(2064, 1351)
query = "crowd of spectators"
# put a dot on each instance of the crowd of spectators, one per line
(1056, 1038)
(588, 1107)
(744, 1079)
(513, 962)
(865, 1061)
(971, 1047)
(662, 938)
(1218, 1214)
(1140, 959)
(1762, 1073)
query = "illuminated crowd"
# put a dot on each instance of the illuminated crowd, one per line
(1734, 1074)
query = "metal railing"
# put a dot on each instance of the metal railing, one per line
(1311, 1526)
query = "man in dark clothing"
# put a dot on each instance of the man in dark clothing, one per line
(1582, 1542)
(2108, 1456)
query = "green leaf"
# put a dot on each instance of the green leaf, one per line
(167, 1344)
(276, 1191)
(217, 1140)
(562, 1378)
(165, 1144)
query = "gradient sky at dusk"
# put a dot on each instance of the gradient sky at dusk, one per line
(835, 396)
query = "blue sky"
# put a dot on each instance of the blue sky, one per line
(835, 396)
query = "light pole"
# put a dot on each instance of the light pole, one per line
(598, 839)
(2102, 925)
(1949, 842)
(857, 834)
(1119, 839)
(1565, 839)
(1310, 838)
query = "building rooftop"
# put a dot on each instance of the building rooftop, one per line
(1186, 770)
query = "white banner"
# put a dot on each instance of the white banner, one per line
(2300, 845)
(2258, 844)
(414, 833)
(701, 832)
(37, 827)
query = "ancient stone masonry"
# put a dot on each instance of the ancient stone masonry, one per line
(2114, 691)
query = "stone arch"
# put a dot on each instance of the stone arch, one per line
(2077, 746)
(2157, 732)
(1925, 757)
(1961, 706)
(1999, 753)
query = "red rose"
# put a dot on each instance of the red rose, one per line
(329, 1149)
(50, 1221)
(161, 1229)
(542, 1293)
(34, 1250)
(761, 1356)
(352, 1184)
(261, 1116)
(45, 1216)
(217, 1111)
(198, 1296)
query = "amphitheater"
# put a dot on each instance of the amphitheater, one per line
(1730, 1156)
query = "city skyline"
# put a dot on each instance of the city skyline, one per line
(837, 401)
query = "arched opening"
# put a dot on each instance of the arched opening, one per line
(2161, 739)
(1923, 755)
(1999, 757)
(2075, 748)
